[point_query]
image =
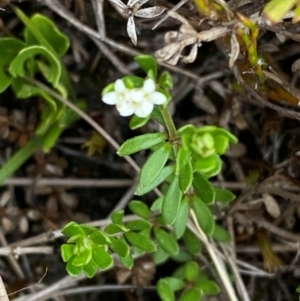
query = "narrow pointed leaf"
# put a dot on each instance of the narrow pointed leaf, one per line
(154, 165)
(224, 196)
(171, 202)
(204, 189)
(165, 172)
(138, 225)
(120, 247)
(221, 234)
(192, 242)
(166, 241)
(182, 217)
(204, 216)
(142, 242)
(139, 143)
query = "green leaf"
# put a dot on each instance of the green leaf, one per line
(166, 172)
(204, 216)
(115, 229)
(73, 270)
(142, 242)
(59, 41)
(164, 291)
(138, 225)
(157, 204)
(132, 81)
(156, 115)
(82, 258)
(276, 9)
(175, 283)
(204, 189)
(17, 66)
(214, 130)
(88, 229)
(221, 144)
(186, 177)
(171, 203)
(208, 287)
(137, 122)
(102, 258)
(181, 160)
(224, 196)
(120, 247)
(128, 261)
(66, 252)
(154, 165)
(117, 216)
(99, 238)
(90, 269)
(192, 242)
(139, 143)
(192, 294)
(166, 81)
(182, 217)
(65, 120)
(160, 256)
(182, 257)
(71, 229)
(221, 234)
(148, 64)
(10, 47)
(140, 209)
(191, 270)
(166, 241)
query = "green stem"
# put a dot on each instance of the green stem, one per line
(169, 123)
(19, 158)
(170, 127)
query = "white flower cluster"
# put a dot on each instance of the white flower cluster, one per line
(138, 101)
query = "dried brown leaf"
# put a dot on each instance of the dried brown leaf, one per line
(131, 30)
(150, 12)
(235, 50)
(271, 205)
(296, 65)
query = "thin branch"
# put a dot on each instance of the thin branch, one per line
(101, 183)
(219, 264)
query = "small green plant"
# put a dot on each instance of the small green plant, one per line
(181, 162)
(39, 53)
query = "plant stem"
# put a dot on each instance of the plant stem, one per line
(19, 158)
(169, 123)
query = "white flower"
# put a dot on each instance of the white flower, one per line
(138, 101)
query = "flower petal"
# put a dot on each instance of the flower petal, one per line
(144, 109)
(110, 98)
(149, 85)
(125, 107)
(137, 95)
(158, 98)
(120, 86)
